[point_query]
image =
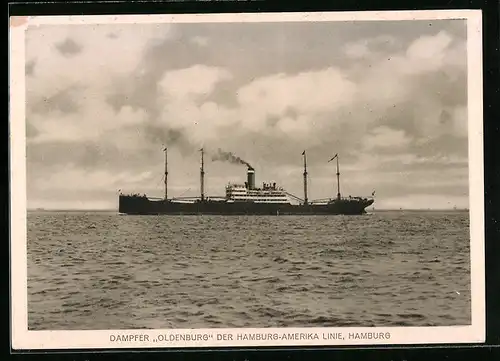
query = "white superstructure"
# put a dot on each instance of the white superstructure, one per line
(269, 193)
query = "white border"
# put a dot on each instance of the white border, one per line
(24, 339)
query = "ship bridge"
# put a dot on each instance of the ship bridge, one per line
(241, 193)
(268, 193)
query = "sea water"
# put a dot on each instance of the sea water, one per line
(102, 270)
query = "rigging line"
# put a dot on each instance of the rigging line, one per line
(185, 193)
(160, 180)
(310, 186)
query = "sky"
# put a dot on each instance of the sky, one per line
(390, 97)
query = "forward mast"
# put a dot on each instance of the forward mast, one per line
(305, 178)
(166, 173)
(202, 176)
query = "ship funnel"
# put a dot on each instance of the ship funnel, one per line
(251, 178)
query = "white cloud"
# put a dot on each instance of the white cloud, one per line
(385, 137)
(196, 80)
(101, 57)
(102, 54)
(313, 106)
(201, 122)
(74, 178)
(357, 50)
(320, 99)
(401, 159)
(308, 95)
(308, 104)
(298, 127)
(308, 92)
(429, 49)
(96, 120)
(200, 40)
(429, 53)
(368, 47)
(81, 204)
(423, 201)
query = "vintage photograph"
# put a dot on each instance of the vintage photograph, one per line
(284, 175)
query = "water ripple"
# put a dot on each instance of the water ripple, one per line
(104, 271)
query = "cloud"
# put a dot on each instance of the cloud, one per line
(72, 204)
(200, 40)
(429, 52)
(299, 104)
(70, 104)
(308, 92)
(357, 50)
(95, 66)
(74, 178)
(339, 106)
(68, 47)
(193, 81)
(393, 106)
(65, 101)
(367, 47)
(95, 121)
(424, 201)
(385, 137)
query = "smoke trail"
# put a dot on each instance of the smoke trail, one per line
(229, 157)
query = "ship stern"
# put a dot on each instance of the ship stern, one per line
(132, 204)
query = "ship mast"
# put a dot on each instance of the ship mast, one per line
(166, 174)
(338, 179)
(202, 177)
(305, 178)
(336, 156)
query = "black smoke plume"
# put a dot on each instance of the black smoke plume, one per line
(223, 156)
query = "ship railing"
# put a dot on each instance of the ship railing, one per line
(197, 198)
(230, 185)
(320, 201)
(143, 196)
(133, 195)
(343, 198)
(365, 197)
(354, 198)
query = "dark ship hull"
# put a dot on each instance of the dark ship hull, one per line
(244, 200)
(141, 205)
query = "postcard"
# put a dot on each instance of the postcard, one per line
(246, 180)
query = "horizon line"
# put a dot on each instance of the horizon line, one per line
(42, 209)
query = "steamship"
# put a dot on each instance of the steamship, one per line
(244, 199)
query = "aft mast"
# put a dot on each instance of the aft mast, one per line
(202, 176)
(166, 173)
(336, 156)
(305, 178)
(338, 178)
